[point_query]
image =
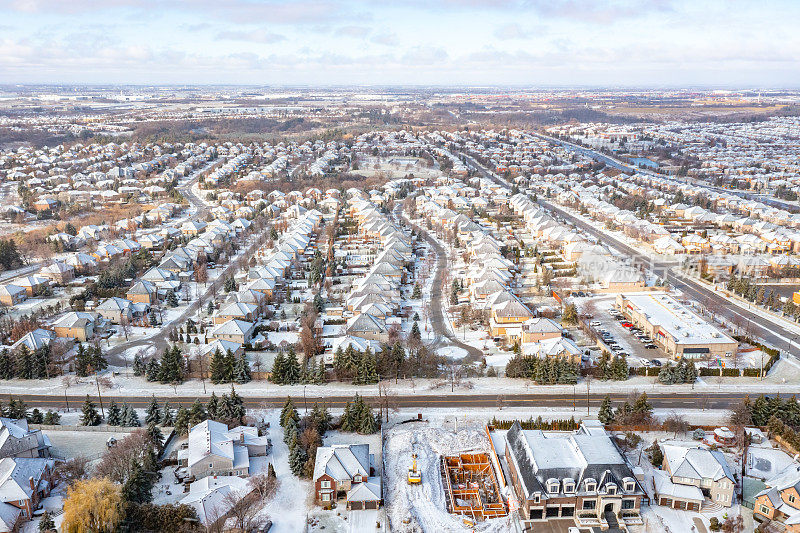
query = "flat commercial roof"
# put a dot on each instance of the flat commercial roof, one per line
(679, 321)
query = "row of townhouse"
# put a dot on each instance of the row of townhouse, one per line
(374, 302)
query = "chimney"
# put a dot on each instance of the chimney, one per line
(33, 484)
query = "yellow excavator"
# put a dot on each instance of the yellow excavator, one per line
(414, 476)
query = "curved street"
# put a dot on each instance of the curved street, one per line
(437, 313)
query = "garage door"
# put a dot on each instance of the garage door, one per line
(357, 506)
(666, 502)
(370, 505)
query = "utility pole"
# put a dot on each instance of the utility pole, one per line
(97, 382)
(588, 379)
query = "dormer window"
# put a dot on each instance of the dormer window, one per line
(357, 478)
(629, 484)
(552, 486)
(537, 497)
(569, 486)
(611, 488)
(591, 485)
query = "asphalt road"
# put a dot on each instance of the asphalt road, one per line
(159, 340)
(437, 317)
(752, 321)
(658, 400)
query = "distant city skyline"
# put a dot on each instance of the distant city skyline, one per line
(665, 43)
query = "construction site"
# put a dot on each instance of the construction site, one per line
(471, 487)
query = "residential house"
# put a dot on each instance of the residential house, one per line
(11, 294)
(215, 450)
(234, 330)
(702, 468)
(76, 325)
(24, 482)
(18, 440)
(579, 475)
(343, 472)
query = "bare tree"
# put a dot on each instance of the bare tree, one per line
(72, 470)
(245, 510)
(263, 485)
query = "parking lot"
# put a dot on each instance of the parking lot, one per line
(614, 336)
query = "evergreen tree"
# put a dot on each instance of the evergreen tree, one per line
(139, 366)
(210, 308)
(24, 363)
(129, 417)
(153, 370)
(46, 523)
(321, 418)
(41, 363)
(642, 405)
(297, 458)
(138, 487)
(90, 416)
(667, 374)
(416, 334)
(51, 418)
(367, 374)
(241, 373)
(171, 300)
(217, 366)
(417, 294)
(606, 414)
(6, 365)
(114, 414)
(213, 407)
(17, 409)
(319, 374)
(367, 425)
(155, 436)
(172, 365)
(236, 410)
(292, 369)
(197, 413)
(278, 369)
(36, 416)
(182, 421)
(348, 422)
(288, 412)
(96, 358)
(153, 412)
(229, 366)
(167, 418)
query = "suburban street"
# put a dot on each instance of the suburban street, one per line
(753, 321)
(437, 314)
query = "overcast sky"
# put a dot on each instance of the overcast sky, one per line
(444, 42)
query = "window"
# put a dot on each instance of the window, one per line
(764, 510)
(357, 478)
(791, 498)
(569, 488)
(630, 486)
(628, 503)
(611, 488)
(537, 497)
(591, 486)
(326, 497)
(211, 465)
(589, 504)
(325, 484)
